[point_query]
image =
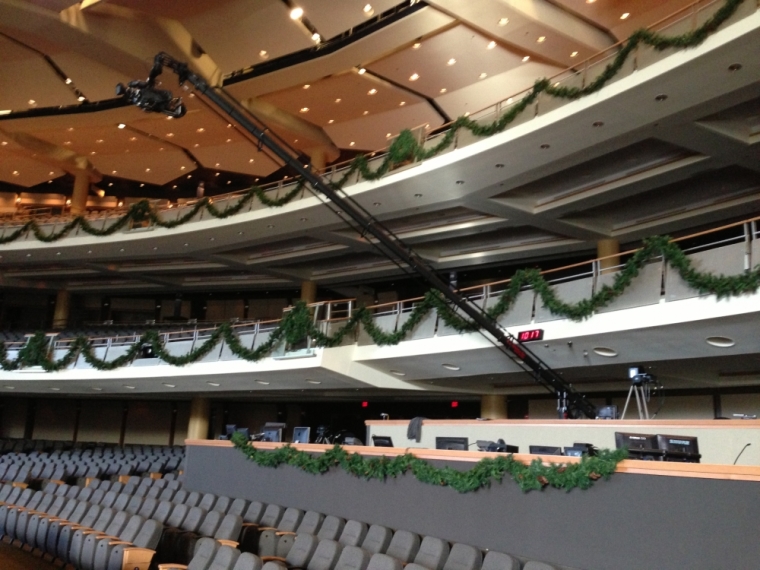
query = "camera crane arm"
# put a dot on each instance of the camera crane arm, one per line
(576, 403)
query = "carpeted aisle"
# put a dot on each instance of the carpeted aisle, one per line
(12, 558)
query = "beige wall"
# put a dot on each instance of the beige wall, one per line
(13, 417)
(149, 423)
(54, 419)
(100, 421)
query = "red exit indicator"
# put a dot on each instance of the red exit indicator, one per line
(527, 336)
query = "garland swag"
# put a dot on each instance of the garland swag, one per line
(405, 148)
(298, 323)
(532, 476)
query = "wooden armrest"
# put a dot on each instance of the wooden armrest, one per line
(272, 559)
(136, 558)
(284, 533)
(224, 542)
(248, 525)
(263, 528)
(20, 485)
(124, 479)
(120, 542)
(56, 481)
(171, 566)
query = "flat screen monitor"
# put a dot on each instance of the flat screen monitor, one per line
(452, 443)
(607, 413)
(272, 434)
(245, 433)
(382, 441)
(544, 450)
(301, 434)
(229, 429)
(679, 448)
(635, 440)
(574, 451)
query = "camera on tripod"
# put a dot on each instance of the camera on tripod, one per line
(639, 376)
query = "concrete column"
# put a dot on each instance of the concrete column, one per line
(61, 313)
(309, 292)
(493, 406)
(200, 412)
(608, 247)
(81, 191)
(318, 158)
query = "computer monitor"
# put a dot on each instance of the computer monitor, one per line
(272, 434)
(498, 446)
(301, 434)
(682, 448)
(544, 450)
(246, 433)
(452, 443)
(382, 441)
(229, 429)
(635, 440)
(607, 413)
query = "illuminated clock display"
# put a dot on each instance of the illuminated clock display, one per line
(527, 336)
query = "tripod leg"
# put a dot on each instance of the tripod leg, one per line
(644, 402)
(638, 401)
(627, 400)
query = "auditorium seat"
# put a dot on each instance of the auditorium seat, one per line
(331, 528)
(238, 507)
(207, 502)
(67, 531)
(381, 561)
(223, 504)
(432, 555)
(533, 565)
(377, 539)
(403, 546)
(499, 561)
(204, 553)
(83, 549)
(353, 533)
(298, 557)
(353, 558)
(98, 528)
(310, 524)
(325, 555)
(249, 537)
(147, 508)
(248, 561)
(136, 555)
(289, 522)
(162, 512)
(463, 557)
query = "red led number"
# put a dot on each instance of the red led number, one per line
(526, 336)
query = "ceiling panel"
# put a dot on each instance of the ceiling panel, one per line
(335, 17)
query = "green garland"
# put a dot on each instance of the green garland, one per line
(298, 323)
(532, 476)
(403, 149)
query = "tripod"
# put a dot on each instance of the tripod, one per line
(640, 389)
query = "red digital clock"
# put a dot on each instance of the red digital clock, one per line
(527, 336)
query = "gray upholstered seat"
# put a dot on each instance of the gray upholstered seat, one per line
(404, 546)
(248, 561)
(225, 558)
(353, 558)
(268, 538)
(332, 527)
(377, 539)
(381, 561)
(353, 533)
(254, 512)
(499, 561)
(533, 565)
(325, 555)
(463, 557)
(432, 554)
(147, 539)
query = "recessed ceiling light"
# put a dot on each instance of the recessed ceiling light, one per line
(660, 97)
(604, 351)
(483, 75)
(503, 21)
(97, 389)
(296, 13)
(262, 382)
(32, 102)
(590, 1)
(362, 71)
(414, 77)
(491, 45)
(67, 143)
(93, 153)
(443, 90)
(388, 135)
(263, 54)
(15, 173)
(451, 366)
(306, 86)
(316, 37)
(365, 113)
(217, 384)
(55, 389)
(452, 61)
(228, 140)
(398, 373)
(331, 121)
(368, 10)
(720, 341)
(170, 385)
(68, 81)
(51, 173)
(574, 54)
(541, 39)
(416, 45)
(170, 135)
(80, 98)
(526, 58)
(4, 143)
(313, 381)
(624, 16)
(122, 126)
(352, 143)
(200, 130)
(69, 129)
(129, 387)
(371, 91)
(402, 103)
(132, 139)
(10, 387)
(147, 170)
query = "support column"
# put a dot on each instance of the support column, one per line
(309, 292)
(318, 159)
(200, 411)
(608, 247)
(493, 406)
(81, 191)
(61, 313)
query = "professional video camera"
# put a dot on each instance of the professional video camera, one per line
(149, 98)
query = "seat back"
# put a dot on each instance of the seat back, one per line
(404, 546)
(377, 539)
(463, 557)
(381, 561)
(117, 523)
(300, 554)
(229, 528)
(225, 558)
(104, 519)
(353, 558)
(193, 519)
(132, 528)
(178, 515)
(331, 528)
(162, 512)
(134, 505)
(533, 565)
(325, 555)
(149, 535)
(499, 561)
(223, 504)
(353, 533)
(271, 516)
(433, 553)
(254, 512)
(210, 523)
(238, 507)
(207, 501)
(248, 561)
(192, 499)
(205, 550)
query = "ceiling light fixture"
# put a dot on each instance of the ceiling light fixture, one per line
(331, 121)
(365, 113)
(443, 90)
(541, 39)
(306, 86)
(416, 45)
(216, 384)
(452, 61)
(362, 71)
(316, 37)
(503, 21)
(414, 77)
(122, 125)
(606, 352)
(368, 10)
(313, 381)
(68, 81)
(398, 373)
(574, 54)
(170, 385)
(262, 382)
(526, 58)
(402, 103)
(624, 16)
(263, 54)
(296, 13)
(129, 387)
(352, 143)
(483, 75)
(451, 367)
(55, 389)
(491, 45)
(720, 341)
(372, 92)
(304, 109)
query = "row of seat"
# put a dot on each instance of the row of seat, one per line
(68, 448)
(85, 535)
